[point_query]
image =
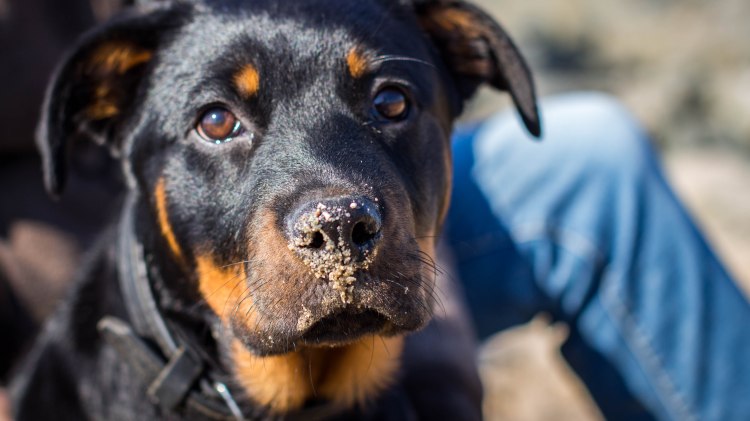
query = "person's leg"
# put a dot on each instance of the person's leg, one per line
(583, 225)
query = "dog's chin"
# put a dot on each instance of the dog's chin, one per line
(345, 327)
(330, 332)
(341, 327)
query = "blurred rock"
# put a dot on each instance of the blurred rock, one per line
(525, 378)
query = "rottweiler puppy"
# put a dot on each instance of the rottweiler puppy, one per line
(287, 168)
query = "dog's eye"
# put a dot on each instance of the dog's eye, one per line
(391, 104)
(218, 125)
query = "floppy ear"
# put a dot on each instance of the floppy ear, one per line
(95, 87)
(477, 50)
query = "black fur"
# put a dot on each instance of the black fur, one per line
(315, 137)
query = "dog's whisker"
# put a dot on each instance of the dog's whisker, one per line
(422, 303)
(239, 278)
(310, 373)
(204, 299)
(245, 295)
(272, 310)
(255, 287)
(385, 345)
(428, 286)
(372, 353)
(236, 263)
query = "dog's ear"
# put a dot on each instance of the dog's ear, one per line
(95, 86)
(477, 50)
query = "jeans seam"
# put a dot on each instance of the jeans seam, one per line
(647, 358)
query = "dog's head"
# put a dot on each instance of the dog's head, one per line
(292, 158)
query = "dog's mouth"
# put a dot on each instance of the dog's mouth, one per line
(344, 327)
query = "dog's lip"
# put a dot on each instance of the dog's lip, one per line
(344, 326)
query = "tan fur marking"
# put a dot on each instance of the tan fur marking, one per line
(280, 382)
(349, 375)
(102, 109)
(357, 63)
(452, 19)
(160, 197)
(223, 289)
(117, 57)
(247, 81)
(362, 370)
(108, 62)
(462, 34)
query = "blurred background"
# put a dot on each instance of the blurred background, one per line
(683, 69)
(681, 66)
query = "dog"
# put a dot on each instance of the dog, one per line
(288, 171)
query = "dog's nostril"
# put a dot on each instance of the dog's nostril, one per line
(317, 240)
(363, 232)
(345, 229)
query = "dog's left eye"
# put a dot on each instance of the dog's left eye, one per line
(218, 125)
(391, 104)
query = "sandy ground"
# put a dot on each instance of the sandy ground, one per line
(525, 377)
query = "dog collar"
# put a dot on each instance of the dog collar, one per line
(178, 378)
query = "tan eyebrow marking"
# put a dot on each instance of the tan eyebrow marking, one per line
(357, 62)
(247, 80)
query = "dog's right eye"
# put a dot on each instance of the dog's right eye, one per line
(218, 125)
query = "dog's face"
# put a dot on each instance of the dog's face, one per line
(314, 156)
(292, 157)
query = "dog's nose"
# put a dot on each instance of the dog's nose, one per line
(345, 227)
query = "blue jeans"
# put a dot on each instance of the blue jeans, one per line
(583, 226)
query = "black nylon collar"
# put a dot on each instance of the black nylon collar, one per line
(177, 367)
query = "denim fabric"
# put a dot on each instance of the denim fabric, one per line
(582, 225)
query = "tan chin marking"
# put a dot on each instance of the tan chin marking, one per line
(281, 383)
(349, 375)
(360, 371)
